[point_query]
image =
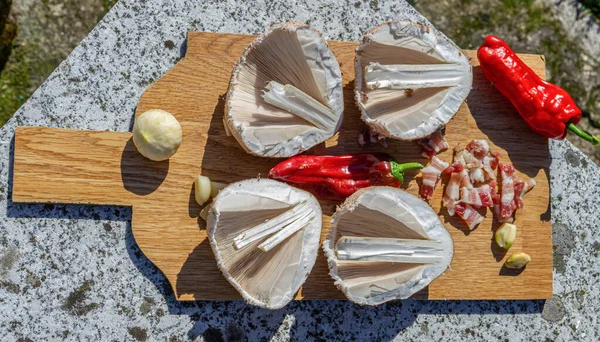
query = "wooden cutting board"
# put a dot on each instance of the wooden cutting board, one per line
(68, 166)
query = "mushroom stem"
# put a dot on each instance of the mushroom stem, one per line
(413, 76)
(284, 233)
(271, 226)
(297, 102)
(389, 250)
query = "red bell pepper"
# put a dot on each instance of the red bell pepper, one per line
(337, 177)
(547, 108)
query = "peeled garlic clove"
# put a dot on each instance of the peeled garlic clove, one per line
(202, 189)
(385, 244)
(265, 237)
(285, 94)
(517, 260)
(157, 134)
(505, 235)
(410, 80)
(216, 187)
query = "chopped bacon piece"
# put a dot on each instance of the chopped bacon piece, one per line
(465, 181)
(478, 197)
(499, 218)
(431, 176)
(495, 160)
(470, 196)
(490, 163)
(486, 192)
(477, 175)
(466, 158)
(479, 148)
(471, 217)
(507, 199)
(521, 188)
(472, 184)
(433, 144)
(449, 204)
(459, 179)
(456, 167)
(428, 154)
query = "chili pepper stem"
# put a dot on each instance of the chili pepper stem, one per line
(571, 127)
(399, 169)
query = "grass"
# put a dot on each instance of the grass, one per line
(108, 4)
(14, 85)
(44, 38)
(592, 6)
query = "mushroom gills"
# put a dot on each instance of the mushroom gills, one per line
(410, 80)
(285, 232)
(285, 94)
(413, 76)
(250, 266)
(370, 221)
(353, 248)
(269, 278)
(400, 111)
(369, 279)
(297, 102)
(297, 217)
(385, 244)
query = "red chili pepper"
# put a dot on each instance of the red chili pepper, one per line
(547, 108)
(337, 177)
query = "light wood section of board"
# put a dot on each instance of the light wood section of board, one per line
(56, 165)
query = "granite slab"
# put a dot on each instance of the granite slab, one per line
(73, 272)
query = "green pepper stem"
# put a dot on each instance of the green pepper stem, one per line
(399, 169)
(571, 127)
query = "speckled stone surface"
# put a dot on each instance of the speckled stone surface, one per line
(75, 272)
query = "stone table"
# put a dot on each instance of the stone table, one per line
(74, 272)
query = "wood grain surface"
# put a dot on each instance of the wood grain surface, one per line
(66, 166)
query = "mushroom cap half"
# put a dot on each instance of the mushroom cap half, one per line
(394, 246)
(431, 77)
(289, 54)
(266, 279)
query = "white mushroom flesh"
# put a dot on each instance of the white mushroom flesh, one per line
(284, 233)
(389, 250)
(385, 244)
(413, 76)
(410, 80)
(267, 277)
(270, 226)
(302, 103)
(295, 101)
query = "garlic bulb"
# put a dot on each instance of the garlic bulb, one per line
(385, 244)
(157, 134)
(285, 94)
(265, 237)
(410, 80)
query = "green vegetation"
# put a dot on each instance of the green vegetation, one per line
(528, 26)
(14, 86)
(76, 304)
(48, 31)
(592, 6)
(107, 4)
(524, 24)
(8, 31)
